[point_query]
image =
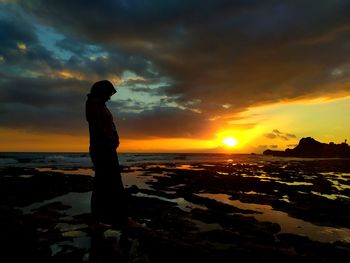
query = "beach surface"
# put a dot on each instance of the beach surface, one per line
(217, 208)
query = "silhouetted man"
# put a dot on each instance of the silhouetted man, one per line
(109, 200)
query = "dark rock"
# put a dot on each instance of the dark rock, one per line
(310, 148)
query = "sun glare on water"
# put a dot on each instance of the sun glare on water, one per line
(230, 142)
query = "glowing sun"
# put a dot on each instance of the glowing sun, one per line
(230, 142)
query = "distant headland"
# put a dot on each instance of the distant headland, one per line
(310, 148)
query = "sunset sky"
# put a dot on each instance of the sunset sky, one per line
(189, 73)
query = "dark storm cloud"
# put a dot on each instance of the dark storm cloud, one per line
(86, 57)
(57, 106)
(163, 122)
(16, 31)
(41, 92)
(214, 53)
(121, 19)
(239, 52)
(33, 94)
(141, 89)
(95, 60)
(127, 106)
(43, 104)
(77, 47)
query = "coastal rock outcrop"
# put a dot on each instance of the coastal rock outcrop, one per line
(310, 148)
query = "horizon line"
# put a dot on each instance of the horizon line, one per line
(134, 152)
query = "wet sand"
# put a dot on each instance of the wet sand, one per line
(219, 212)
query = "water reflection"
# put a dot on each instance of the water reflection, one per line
(288, 224)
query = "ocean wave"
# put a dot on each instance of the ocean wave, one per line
(5, 161)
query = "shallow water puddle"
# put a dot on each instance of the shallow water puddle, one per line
(183, 204)
(189, 167)
(137, 177)
(205, 227)
(79, 203)
(80, 171)
(288, 224)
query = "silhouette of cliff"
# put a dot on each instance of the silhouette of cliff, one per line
(310, 148)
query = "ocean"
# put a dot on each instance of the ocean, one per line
(82, 160)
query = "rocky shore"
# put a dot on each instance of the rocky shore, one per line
(196, 212)
(310, 148)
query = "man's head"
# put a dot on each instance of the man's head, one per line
(102, 89)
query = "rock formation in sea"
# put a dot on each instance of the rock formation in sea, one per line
(310, 148)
